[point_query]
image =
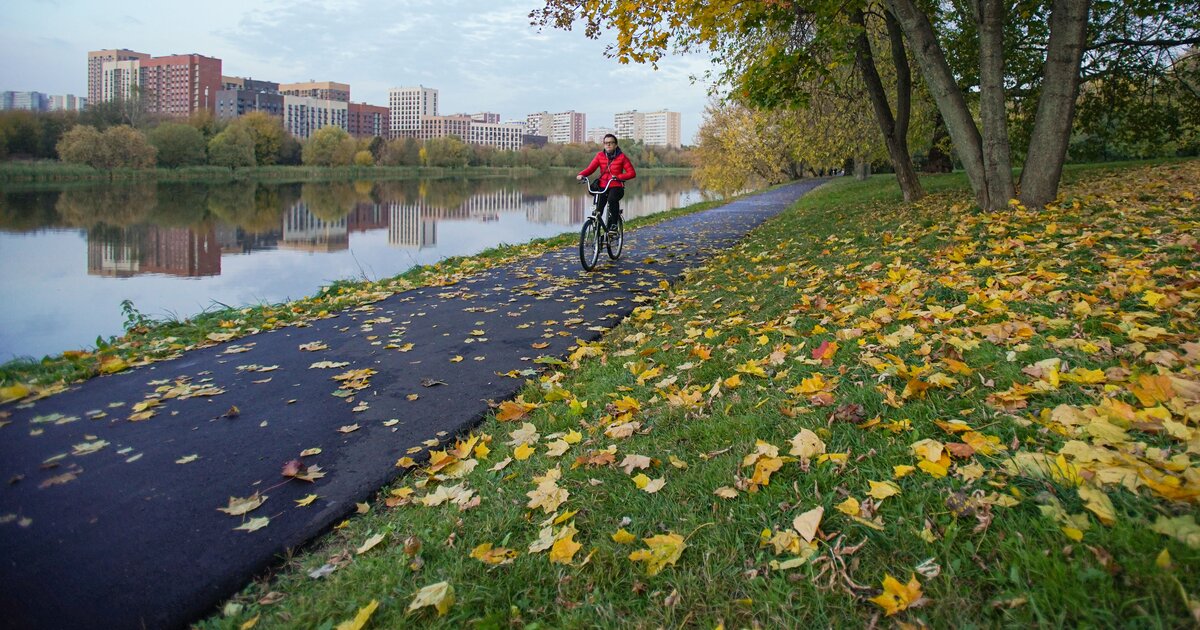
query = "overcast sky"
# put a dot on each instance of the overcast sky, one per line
(480, 55)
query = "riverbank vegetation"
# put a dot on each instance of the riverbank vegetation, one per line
(105, 145)
(869, 412)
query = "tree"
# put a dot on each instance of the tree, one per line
(447, 152)
(329, 146)
(178, 145)
(268, 135)
(1038, 44)
(232, 148)
(82, 145)
(364, 158)
(127, 147)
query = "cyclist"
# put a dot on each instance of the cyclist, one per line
(615, 167)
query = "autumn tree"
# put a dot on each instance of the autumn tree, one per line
(267, 133)
(1050, 36)
(178, 145)
(330, 146)
(117, 147)
(232, 148)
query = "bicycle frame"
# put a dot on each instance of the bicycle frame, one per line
(598, 212)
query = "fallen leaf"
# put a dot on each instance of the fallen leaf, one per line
(439, 595)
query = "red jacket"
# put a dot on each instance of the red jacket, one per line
(619, 168)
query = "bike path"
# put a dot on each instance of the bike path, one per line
(111, 523)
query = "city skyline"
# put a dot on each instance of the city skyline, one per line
(481, 58)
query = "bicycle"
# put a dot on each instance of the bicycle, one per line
(597, 232)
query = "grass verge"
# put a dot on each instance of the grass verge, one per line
(866, 411)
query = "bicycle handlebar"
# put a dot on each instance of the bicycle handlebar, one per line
(587, 181)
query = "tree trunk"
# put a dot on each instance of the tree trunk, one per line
(993, 112)
(947, 95)
(1056, 107)
(862, 168)
(897, 144)
(903, 76)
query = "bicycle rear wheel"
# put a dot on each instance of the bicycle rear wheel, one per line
(589, 244)
(616, 239)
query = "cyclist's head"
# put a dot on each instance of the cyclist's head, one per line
(610, 142)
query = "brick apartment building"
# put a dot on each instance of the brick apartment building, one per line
(368, 121)
(95, 68)
(180, 85)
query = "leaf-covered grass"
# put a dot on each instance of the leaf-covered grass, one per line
(1024, 385)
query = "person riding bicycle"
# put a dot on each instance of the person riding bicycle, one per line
(616, 168)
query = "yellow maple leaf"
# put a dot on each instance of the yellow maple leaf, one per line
(883, 489)
(661, 550)
(306, 501)
(622, 537)
(564, 549)
(360, 620)
(849, 507)
(807, 523)
(486, 554)
(522, 452)
(439, 595)
(1098, 503)
(896, 596)
(547, 496)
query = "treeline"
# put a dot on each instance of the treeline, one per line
(106, 139)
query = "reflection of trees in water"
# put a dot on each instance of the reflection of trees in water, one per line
(330, 201)
(113, 205)
(181, 205)
(30, 210)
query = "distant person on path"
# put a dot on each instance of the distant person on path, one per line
(615, 168)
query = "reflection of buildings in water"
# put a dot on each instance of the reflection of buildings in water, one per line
(304, 231)
(368, 216)
(234, 240)
(558, 210)
(408, 228)
(415, 224)
(651, 203)
(131, 251)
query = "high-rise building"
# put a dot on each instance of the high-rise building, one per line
(486, 117)
(32, 101)
(67, 102)
(596, 134)
(442, 126)
(368, 121)
(502, 136)
(240, 96)
(407, 105)
(660, 128)
(120, 80)
(324, 90)
(303, 115)
(96, 59)
(180, 85)
(562, 128)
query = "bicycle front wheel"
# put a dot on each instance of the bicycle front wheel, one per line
(616, 239)
(589, 244)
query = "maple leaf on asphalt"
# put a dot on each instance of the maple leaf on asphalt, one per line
(239, 506)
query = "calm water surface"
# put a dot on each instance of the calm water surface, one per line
(71, 255)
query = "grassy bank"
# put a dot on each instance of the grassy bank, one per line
(57, 172)
(868, 411)
(148, 340)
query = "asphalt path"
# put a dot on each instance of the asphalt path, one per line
(107, 522)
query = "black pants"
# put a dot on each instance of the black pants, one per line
(613, 198)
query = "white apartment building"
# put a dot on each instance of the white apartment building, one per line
(502, 136)
(303, 115)
(408, 105)
(657, 129)
(596, 134)
(569, 127)
(119, 79)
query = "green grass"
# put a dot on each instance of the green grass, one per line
(819, 273)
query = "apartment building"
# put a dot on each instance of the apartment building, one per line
(368, 121)
(96, 59)
(32, 101)
(239, 96)
(324, 90)
(120, 80)
(660, 128)
(486, 117)
(67, 103)
(502, 136)
(442, 126)
(407, 105)
(180, 85)
(596, 134)
(562, 128)
(303, 115)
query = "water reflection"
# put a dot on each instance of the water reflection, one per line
(299, 236)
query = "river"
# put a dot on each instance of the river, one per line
(72, 254)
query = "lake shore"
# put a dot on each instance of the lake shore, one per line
(57, 172)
